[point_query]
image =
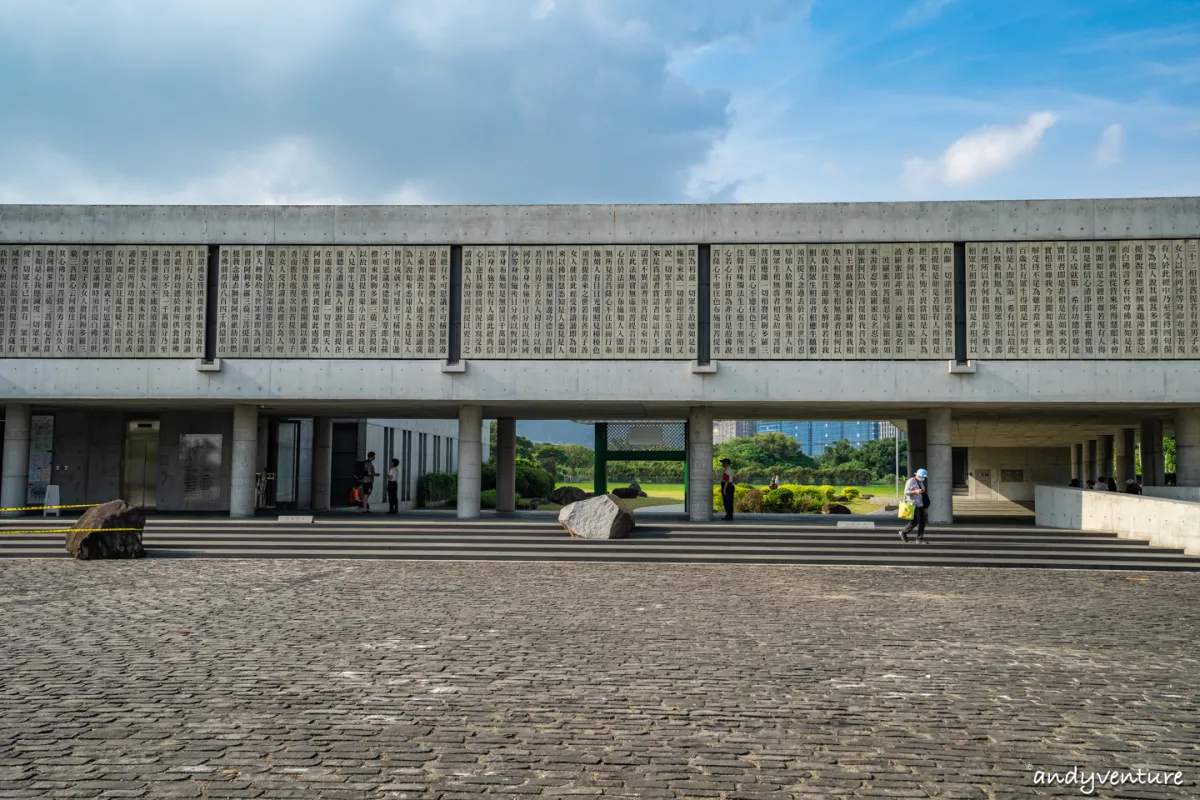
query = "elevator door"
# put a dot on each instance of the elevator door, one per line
(141, 464)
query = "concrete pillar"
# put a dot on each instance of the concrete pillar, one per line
(1125, 445)
(1187, 447)
(14, 483)
(322, 462)
(941, 467)
(245, 459)
(1151, 446)
(1077, 462)
(506, 464)
(1089, 461)
(917, 457)
(699, 465)
(470, 460)
(1104, 457)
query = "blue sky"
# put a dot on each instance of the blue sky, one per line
(516, 101)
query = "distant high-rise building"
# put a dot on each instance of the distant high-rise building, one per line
(724, 430)
(889, 431)
(815, 435)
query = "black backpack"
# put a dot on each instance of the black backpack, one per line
(360, 470)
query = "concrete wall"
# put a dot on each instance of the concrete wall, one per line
(1038, 465)
(1189, 494)
(1035, 220)
(1164, 523)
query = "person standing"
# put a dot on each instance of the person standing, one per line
(368, 482)
(774, 482)
(916, 493)
(393, 487)
(727, 487)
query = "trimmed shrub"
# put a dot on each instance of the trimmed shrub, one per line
(532, 480)
(437, 487)
(827, 492)
(851, 493)
(751, 501)
(487, 498)
(779, 501)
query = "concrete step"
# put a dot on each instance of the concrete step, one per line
(526, 540)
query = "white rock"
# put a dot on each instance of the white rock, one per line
(603, 517)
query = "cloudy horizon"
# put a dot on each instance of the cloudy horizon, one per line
(595, 101)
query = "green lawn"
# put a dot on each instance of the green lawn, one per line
(662, 494)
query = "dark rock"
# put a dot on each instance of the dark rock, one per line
(565, 495)
(834, 508)
(841, 498)
(528, 505)
(642, 494)
(625, 493)
(97, 533)
(867, 496)
(603, 517)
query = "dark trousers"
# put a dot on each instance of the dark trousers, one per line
(393, 490)
(918, 521)
(727, 499)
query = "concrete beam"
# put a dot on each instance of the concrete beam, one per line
(14, 481)
(245, 457)
(1035, 220)
(1187, 447)
(322, 462)
(920, 384)
(941, 467)
(506, 464)
(700, 467)
(470, 454)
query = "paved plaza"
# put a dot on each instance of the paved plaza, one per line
(371, 679)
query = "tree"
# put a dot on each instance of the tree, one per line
(580, 460)
(550, 456)
(879, 456)
(763, 451)
(838, 453)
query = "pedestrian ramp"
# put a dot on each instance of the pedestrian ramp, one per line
(538, 538)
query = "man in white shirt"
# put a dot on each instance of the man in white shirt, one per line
(393, 487)
(727, 487)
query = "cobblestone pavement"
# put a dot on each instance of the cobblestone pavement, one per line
(432, 679)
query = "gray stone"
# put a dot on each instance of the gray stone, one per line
(598, 518)
(565, 495)
(103, 532)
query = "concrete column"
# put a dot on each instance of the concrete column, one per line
(506, 464)
(322, 462)
(941, 467)
(1089, 461)
(1187, 447)
(699, 465)
(1125, 444)
(470, 460)
(917, 457)
(1104, 457)
(1077, 462)
(1151, 446)
(245, 459)
(14, 484)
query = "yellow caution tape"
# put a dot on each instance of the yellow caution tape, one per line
(4, 532)
(39, 508)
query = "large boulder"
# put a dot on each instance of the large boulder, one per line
(103, 532)
(565, 495)
(625, 493)
(603, 517)
(834, 508)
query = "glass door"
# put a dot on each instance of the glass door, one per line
(287, 464)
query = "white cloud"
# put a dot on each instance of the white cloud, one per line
(1112, 146)
(286, 172)
(982, 153)
(411, 193)
(923, 12)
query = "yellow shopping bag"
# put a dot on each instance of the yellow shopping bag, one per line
(906, 510)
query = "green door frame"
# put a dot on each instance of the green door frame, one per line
(603, 456)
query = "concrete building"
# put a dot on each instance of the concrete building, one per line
(724, 430)
(814, 435)
(1037, 339)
